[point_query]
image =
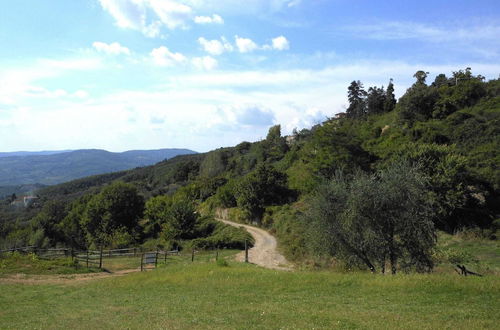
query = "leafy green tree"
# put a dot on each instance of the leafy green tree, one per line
(73, 233)
(417, 104)
(450, 186)
(225, 196)
(117, 208)
(375, 219)
(180, 220)
(264, 186)
(156, 213)
(186, 171)
(47, 221)
(335, 146)
(214, 163)
(465, 90)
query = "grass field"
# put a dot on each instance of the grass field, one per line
(185, 295)
(31, 264)
(483, 255)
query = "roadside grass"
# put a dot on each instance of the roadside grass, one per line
(202, 295)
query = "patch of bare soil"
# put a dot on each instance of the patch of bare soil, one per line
(62, 278)
(264, 252)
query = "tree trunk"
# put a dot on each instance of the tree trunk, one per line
(394, 261)
(392, 253)
(368, 263)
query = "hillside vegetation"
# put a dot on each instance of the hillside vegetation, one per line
(366, 189)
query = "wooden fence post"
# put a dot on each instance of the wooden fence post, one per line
(216, 255)
(87, 259)
(100, 258)
(246, 251)
(142, 260)
(156, 259)
(192, 255)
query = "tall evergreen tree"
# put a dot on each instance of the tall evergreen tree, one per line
(375, 100)
(357, 100)
(390, 98)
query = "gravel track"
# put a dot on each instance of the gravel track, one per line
(264, 252)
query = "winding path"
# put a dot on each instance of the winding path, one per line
(264, 251)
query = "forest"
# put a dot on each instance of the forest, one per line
(369, 188)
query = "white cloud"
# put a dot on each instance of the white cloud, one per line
(111, 49)
(199, 110)
(214, 19)
(245, 45)
(205, 63)
(81, 94)
(171, 13)
(215, 47)
(280, 43)
(148, 16)
(162, 56)
(127, 13)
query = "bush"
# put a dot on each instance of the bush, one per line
(224, 236)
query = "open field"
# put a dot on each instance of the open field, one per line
(207, 295)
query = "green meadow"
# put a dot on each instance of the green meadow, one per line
(185, 295)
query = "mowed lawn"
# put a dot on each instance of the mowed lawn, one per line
(205, 295)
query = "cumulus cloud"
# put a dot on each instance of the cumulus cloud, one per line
(280, 43)
(205, 62)
(245, 45)
(162, 56)
(215, 47)
(111, 49)
(214, 19)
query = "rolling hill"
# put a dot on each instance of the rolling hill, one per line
(50, 168)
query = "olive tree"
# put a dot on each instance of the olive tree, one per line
(375, 219)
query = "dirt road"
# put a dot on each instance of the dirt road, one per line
(264, 252)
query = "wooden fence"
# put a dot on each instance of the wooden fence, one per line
(96, 258)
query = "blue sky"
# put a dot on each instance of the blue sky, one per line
(203, 74)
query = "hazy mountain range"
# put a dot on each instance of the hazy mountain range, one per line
(53, 167)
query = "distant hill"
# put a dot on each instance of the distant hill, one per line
(52, 167)
(32, 153)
